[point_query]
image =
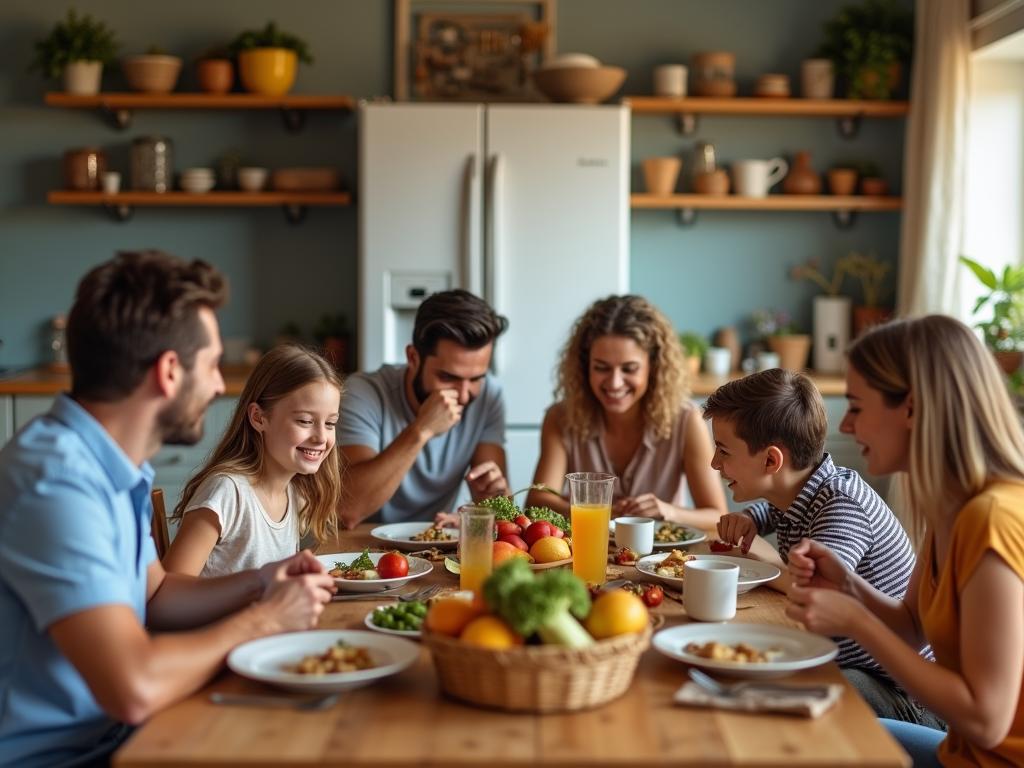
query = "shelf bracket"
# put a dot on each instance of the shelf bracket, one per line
(844, 220)
(294, 119)
(118, 212)
(686, 217)
(687, 123)
(120, 119)
(295, 214)
(849, 126)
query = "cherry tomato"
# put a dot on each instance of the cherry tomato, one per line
(721, 546)
(652, 595)
(393, 566)
(625, 556)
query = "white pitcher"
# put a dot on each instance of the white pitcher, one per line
(753, 178)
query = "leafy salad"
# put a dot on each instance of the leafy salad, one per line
(360, 568)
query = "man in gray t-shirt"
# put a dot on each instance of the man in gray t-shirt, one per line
(410, 434)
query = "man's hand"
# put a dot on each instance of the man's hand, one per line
(737, 529)
(294, 602)
(645, 505)
(486, 480)
(812, 564)
(439, 412)
(296, 565)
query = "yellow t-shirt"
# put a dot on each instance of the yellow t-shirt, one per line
(992, 520)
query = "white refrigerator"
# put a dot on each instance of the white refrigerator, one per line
(526, 205)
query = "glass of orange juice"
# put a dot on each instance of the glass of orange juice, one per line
(476, 546)
(590, 514)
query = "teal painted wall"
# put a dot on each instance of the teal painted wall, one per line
(704, 277)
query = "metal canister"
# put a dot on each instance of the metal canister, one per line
(83, 168)
(152, 164)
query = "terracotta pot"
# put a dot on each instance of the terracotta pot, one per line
(793, 350)
(874, 186)
(867, 317)
(693, 366)
(842, 181)
(661, 174)
(714, 182)
(1009, 361)
(801, 179)
(215, 75)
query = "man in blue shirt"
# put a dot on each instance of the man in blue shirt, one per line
(80, 583)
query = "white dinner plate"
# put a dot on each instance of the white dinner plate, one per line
(265, 659)
(752, 572)
(698, 535)
(417, 567)
(368, 621)
(796, 648)
(400, 536)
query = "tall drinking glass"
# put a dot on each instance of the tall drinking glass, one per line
(590, 513)
(476, 546)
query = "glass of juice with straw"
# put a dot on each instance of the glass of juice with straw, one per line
(590, 514)
(476, 546)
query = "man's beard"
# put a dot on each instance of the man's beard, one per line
(181, 422)
(421, 393)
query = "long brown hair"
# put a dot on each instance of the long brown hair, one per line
(632, 317)
(280, 372)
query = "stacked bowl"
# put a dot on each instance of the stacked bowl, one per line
(197, 180)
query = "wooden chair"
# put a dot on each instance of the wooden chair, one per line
(161, 537)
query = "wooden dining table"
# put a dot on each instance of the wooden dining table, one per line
(405, 720)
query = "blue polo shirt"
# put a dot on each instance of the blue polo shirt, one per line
(74, 535)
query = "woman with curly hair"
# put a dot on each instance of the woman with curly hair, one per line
(623, 408)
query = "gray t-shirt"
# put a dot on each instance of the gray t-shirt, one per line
(375, 411)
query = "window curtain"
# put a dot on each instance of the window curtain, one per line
(933, 159)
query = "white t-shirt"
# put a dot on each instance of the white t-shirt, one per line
(248, 537)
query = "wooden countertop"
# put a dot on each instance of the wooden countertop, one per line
(49, 380)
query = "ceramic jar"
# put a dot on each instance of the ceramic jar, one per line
(793, 350)
(215, 75)
(801, 179)
(152, 164)
(714, 74)
(83, 168)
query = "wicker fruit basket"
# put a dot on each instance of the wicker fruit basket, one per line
(537, 678)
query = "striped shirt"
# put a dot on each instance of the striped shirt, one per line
(837, 508)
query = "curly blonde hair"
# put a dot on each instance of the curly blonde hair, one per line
(632, 317)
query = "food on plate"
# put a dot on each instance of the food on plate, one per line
(404, 617)
(721, 546)
(504, 551)
(515, 541)
(651, 594)
(506, 509)
(672, 566)
(433, 554)
(626, 556)
(393, 566)
(616, 612)
(340, 657)
(432, 534)
(362, 568)
(537, 531)
(506, 528)
(670, 533)
(740, 653)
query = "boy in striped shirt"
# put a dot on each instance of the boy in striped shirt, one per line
(769, 430)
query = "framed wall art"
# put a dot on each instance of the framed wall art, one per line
(471, 50)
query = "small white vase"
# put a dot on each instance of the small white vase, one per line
(83, 77)
(832, 317)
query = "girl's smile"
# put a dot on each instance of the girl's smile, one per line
(298, 430)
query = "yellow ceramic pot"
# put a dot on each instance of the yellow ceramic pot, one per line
(269, 71)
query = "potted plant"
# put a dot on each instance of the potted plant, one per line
(215, 70)
(267, 59)
(872, 274)
(832, 314)
(694, 346)
(331, 332)
(842, 178)
(1004, 333)
(152, 72)
(777, 329)
(869, 44)
(76, 49)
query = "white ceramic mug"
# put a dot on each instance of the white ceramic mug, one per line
(636, 533)
(753, 178)
(718, 361)
(767, 360)
(817, 78)
(709, 589)
(670, 80)
(111, 181)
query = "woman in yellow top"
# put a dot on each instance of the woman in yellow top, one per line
(625, 410)
(927, 400)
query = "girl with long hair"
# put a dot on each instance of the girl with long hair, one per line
(274, 477)
(623, 408)
(927, 401)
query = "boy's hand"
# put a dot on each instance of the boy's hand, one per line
(812, 564)
(737, 529)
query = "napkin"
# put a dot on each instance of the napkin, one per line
(754, 700)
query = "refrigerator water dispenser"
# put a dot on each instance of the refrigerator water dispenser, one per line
(406, 291)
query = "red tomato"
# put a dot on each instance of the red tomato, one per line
(536, 532)
(626, 556)
(721, 546)
(523, 522)
(506, 528)
(557, 532)
(653, 595)
(393, 566)
(515, 541)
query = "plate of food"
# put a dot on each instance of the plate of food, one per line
(358, 571)
(402, 620)
(671, 535)
(323, 660)
(668, 569)
(415, 536)
(745, 650)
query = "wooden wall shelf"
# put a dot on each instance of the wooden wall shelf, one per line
(770, 203)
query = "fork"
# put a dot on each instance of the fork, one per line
(419, 594)
(302, 705)
(711, 685)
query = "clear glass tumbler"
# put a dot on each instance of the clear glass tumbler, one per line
(476, 546)
(590, 515)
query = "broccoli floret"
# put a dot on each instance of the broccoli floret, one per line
(543, 604)
(543, 513)
(506, 577)
(503, 507)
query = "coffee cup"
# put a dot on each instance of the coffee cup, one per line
(709, 589)
(670, 81)
(718, 361)
(635, 533)
(753, 178)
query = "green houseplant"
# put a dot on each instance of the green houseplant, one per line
(873, 275)
(694, 346)
(867, 43)
(267, 59)
(77, 49)
(1004, 333)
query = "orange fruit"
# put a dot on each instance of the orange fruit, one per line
(503, 551)
(449, 616)
(617, 612)
(490, 632)
(549, 549)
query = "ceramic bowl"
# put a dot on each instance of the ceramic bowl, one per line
(252, 179)
(197, 185)
(151, 73)
(579, 85)
(577, 60)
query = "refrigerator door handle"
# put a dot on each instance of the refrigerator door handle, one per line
(466, 225)
(492, 256)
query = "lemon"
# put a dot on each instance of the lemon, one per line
(617, 612)
(549, 549)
